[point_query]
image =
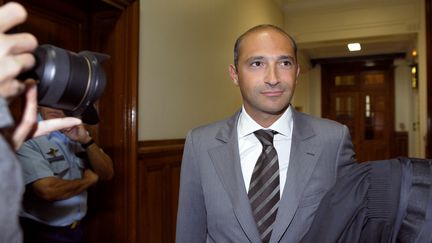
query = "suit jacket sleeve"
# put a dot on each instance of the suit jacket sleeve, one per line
(345, 156)
(360, 207)
(191, 215)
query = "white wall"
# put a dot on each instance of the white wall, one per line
(185, 50)
(406, 118)
(421, 104)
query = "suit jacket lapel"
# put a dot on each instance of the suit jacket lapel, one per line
(304, 155)
(226, 161)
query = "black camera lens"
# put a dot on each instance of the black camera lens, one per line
(69, 81)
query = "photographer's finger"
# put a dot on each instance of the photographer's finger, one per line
(47, 126)
(11, 14)
(28, 122)
(11, 88)
(25, 61)
(11, 66)
(11, 44)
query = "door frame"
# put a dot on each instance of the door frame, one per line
(428, 7)
(111, 27)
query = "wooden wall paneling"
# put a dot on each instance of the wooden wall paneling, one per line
(121, 4)
(59, 28)
(102, 213)
(158, 178)
(399, 143)
(95, 25)
(56, 28)
(428, 4)
(118, 127)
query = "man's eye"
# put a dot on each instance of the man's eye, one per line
(256, 64)
(287, 63)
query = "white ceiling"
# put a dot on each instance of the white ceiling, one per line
(370, 46)
(401, 43)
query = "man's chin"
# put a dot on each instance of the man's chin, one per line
(277, 110)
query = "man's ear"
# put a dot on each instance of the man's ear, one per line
(298, 72)
(233, 74)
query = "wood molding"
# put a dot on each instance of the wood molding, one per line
(399, 145)
(428, 4)
(362, 59)
(152, 147)
(158, 184)
(118, 127)
(77, 6)
(120, 4)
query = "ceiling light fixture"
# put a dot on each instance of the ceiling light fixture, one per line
(354, 47)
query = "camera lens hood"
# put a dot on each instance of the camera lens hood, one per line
(69, 81)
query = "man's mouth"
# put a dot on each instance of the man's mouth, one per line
(272, 93)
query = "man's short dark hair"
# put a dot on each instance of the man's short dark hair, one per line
(256, 28)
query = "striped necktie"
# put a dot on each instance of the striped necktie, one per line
(264, 186)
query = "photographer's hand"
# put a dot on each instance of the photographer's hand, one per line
(15, 57)
(28, 127)
(15, 50)
(78, 133)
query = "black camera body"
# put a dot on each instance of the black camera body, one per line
(69, 81)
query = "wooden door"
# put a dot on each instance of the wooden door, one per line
(107, 26)
(361, 97)
(345, 106)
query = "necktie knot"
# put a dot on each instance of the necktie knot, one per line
(265, 136)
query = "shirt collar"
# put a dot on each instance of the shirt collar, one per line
(246, 125)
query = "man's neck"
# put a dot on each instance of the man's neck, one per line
(264, 119)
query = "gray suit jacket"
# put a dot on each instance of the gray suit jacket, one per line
(213, 202)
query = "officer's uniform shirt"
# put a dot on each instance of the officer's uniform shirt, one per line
(47, 156)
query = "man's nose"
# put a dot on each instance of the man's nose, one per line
(272, 75)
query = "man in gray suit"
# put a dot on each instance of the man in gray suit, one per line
(218, 167)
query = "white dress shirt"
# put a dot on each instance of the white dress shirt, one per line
(250, 147)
